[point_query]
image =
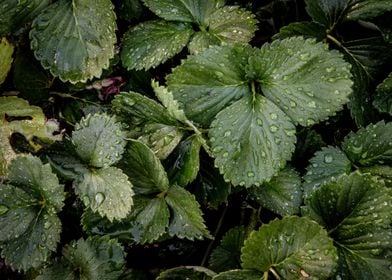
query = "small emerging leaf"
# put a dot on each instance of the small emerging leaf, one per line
(6, 51)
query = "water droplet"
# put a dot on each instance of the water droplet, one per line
(330, 69)
(312, 104)
(47, 224)
(225, 154)
(227, 133)
(328, 158)
(293, 104)
(86, 200)
(273, 116)
(3, 209)
(273, 128)
(259, 121)
(251, 174)
(304, 56)
(310, 122)
(99, 198)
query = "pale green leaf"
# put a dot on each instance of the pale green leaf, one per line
(167, 99)
(93, 258)
(292, 247)
(204, 84)
(303, 78)
(184, 10)
(370, 145)
(282, 195)
(151, 43)
(133, 107)
(232, 24)
(106, 191)
(75, 39)
(187, 272)
(6, 51)
(202, 40)
(186, 220)
(251, 140)
(161, 139)
(326, 164)
(383, 99)
(357, 212)
(228, 254)
(307, 29)
(240, 274)
(364, 9)
(144, 169)
(99, 140)
(185, 161)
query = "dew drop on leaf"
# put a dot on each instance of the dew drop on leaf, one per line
(328, 158)
(99, 198)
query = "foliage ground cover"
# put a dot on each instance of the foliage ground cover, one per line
(193, 139)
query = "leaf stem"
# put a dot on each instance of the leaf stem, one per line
(67, 95)
(274, 273)
(265, 276)
(334, 40)
(218, 227)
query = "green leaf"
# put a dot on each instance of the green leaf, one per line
(202, 40)
(303, 78)
(228, 254)
(328, 13)
(30, 228)
(326, 164)
(290, 247)
(144, 169)
(187, 272)
(184, 163)
(6, 151)
(307, 29)
(186, 220)
(384, 172)
(99, 140)
(204, 84)
(183, 10)
(251, 140)
(282, 195)
(370, 145)
(357, 212)
(75, 39)
(239, 274)
(106, 191)
(364, 9)
(6, 51)
(161, 139)
(151, 43)
(93, 258)
(132, 106)
(383, 99)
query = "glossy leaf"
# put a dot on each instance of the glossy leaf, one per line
(202, 40)
(282, 195)
(370, 145)
(30, 228)
(383, 99)
(187, 272)
(93, 258)
(144, 169)
(327, 13)
(106, 191)
(240, 274)
(75, 39)
(180, 10)
(384, 172)
(303, 78)
(364, 9)
(292, 247)
(227, 255)
(204, 84)
(357, 212)
(326, 164)
(186, 221)
(6, 51)
(99, 140)
(185, 161)
(151, 43)
(307, 29)
(251, 140)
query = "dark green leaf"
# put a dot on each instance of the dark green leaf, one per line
(307, 29)
(251, 140)
(183, 10)
(303, 78)
(382, 171)
(131, 106)
(326, 12)
(357, 212)
(151, 43)
(185, 161)
(227, 255)
(204, 84)
(292, 247)
(75, 39)
(106, 191)
(364, 9)
(370, 145)
(186, 220)
(187, 272)
(94, 258)
(202, 40)
(240, 274)
(130, 9)
(383, 99)
(282, 195)
(144, 169)
(99, 140)
(6, 51)
(326, 164)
